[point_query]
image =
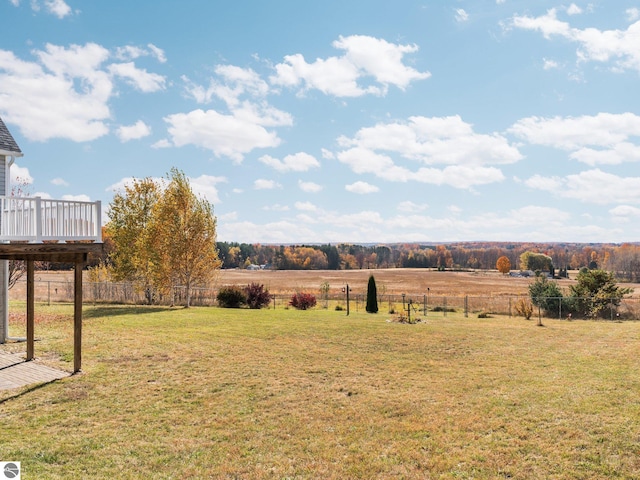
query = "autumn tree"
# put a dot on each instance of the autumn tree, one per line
(535, 262)
(182, 234)
(130, 215)
(503, 265)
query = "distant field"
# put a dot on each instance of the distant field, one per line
(282, 394)
(394, 281)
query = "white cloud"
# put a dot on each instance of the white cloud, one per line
(230, 84)
(461, 15)
(411, 207)
(131, 52)
(339, 76)
(361, 188)
(549, 64)
(617, 46)
(224, 135)
(65, 92)
(138, 77)
(59, 8)
(299, 162)
(624, 213)
(574, 9)
(242, 129)
(633, 14)
(309, 187)
(276, 208)
(389, 151)
(133, 132)
(20, 178)
(604, 138)
(262, 184)
(591, 186)
(306, 207)
(206, 186)
(60, 182)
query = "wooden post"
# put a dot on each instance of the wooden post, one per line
(77, 318)
(30, 310)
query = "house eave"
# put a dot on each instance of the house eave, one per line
(8, 153)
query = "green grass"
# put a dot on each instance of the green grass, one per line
(215, 393)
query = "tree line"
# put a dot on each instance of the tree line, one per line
(623, 260)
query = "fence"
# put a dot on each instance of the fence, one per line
(418, 305)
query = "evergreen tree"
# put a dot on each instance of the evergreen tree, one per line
(372, 296)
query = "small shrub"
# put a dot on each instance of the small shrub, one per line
(303, 301)
(257, 296)
(443, 309)
(483, 315)
(339, 308)
(524, 308)
(231, 297)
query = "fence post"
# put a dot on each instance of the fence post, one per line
(444, 309)
(466, 306)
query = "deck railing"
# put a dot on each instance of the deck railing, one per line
(39, 219)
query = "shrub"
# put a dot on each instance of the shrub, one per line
(303, 301)
(231, 297)
(372, 296)
(525, 308)
(257, 296)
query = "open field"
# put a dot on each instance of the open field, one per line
(394, 281)
(275, 394)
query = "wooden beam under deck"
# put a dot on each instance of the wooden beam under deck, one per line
(53, 252)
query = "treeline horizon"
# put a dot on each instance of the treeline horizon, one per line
(623, 259)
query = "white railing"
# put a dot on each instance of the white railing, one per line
(38, 219)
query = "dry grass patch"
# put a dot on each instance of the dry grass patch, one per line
(214, 393)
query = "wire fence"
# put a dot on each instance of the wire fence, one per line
(413, 305)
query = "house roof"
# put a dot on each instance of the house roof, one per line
(8, 145)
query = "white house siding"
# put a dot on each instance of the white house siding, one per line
(4, 264)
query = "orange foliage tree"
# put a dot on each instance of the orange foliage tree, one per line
(503, 265)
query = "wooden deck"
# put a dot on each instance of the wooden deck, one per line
(16, 372)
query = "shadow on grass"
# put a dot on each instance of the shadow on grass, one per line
(28, 390)
(116, 310)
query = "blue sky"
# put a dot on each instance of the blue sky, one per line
(338, 121)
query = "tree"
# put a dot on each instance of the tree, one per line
(182, 234)
(546, 295)
(130, 215)
(596, 293)
(535, 262)
(503, 265)
(372, 296)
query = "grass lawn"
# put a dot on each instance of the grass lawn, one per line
(284, 394)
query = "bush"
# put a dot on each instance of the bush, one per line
(525, 308)
(372, 296)
(257, 296)
(303, 301)
(231, 297)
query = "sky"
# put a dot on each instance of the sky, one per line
(361, 121)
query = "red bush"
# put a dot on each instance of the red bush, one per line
(303, 301)
(257, 296)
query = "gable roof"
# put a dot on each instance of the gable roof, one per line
(8, 145)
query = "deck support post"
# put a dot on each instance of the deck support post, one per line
(30, 309)
(77, 317)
